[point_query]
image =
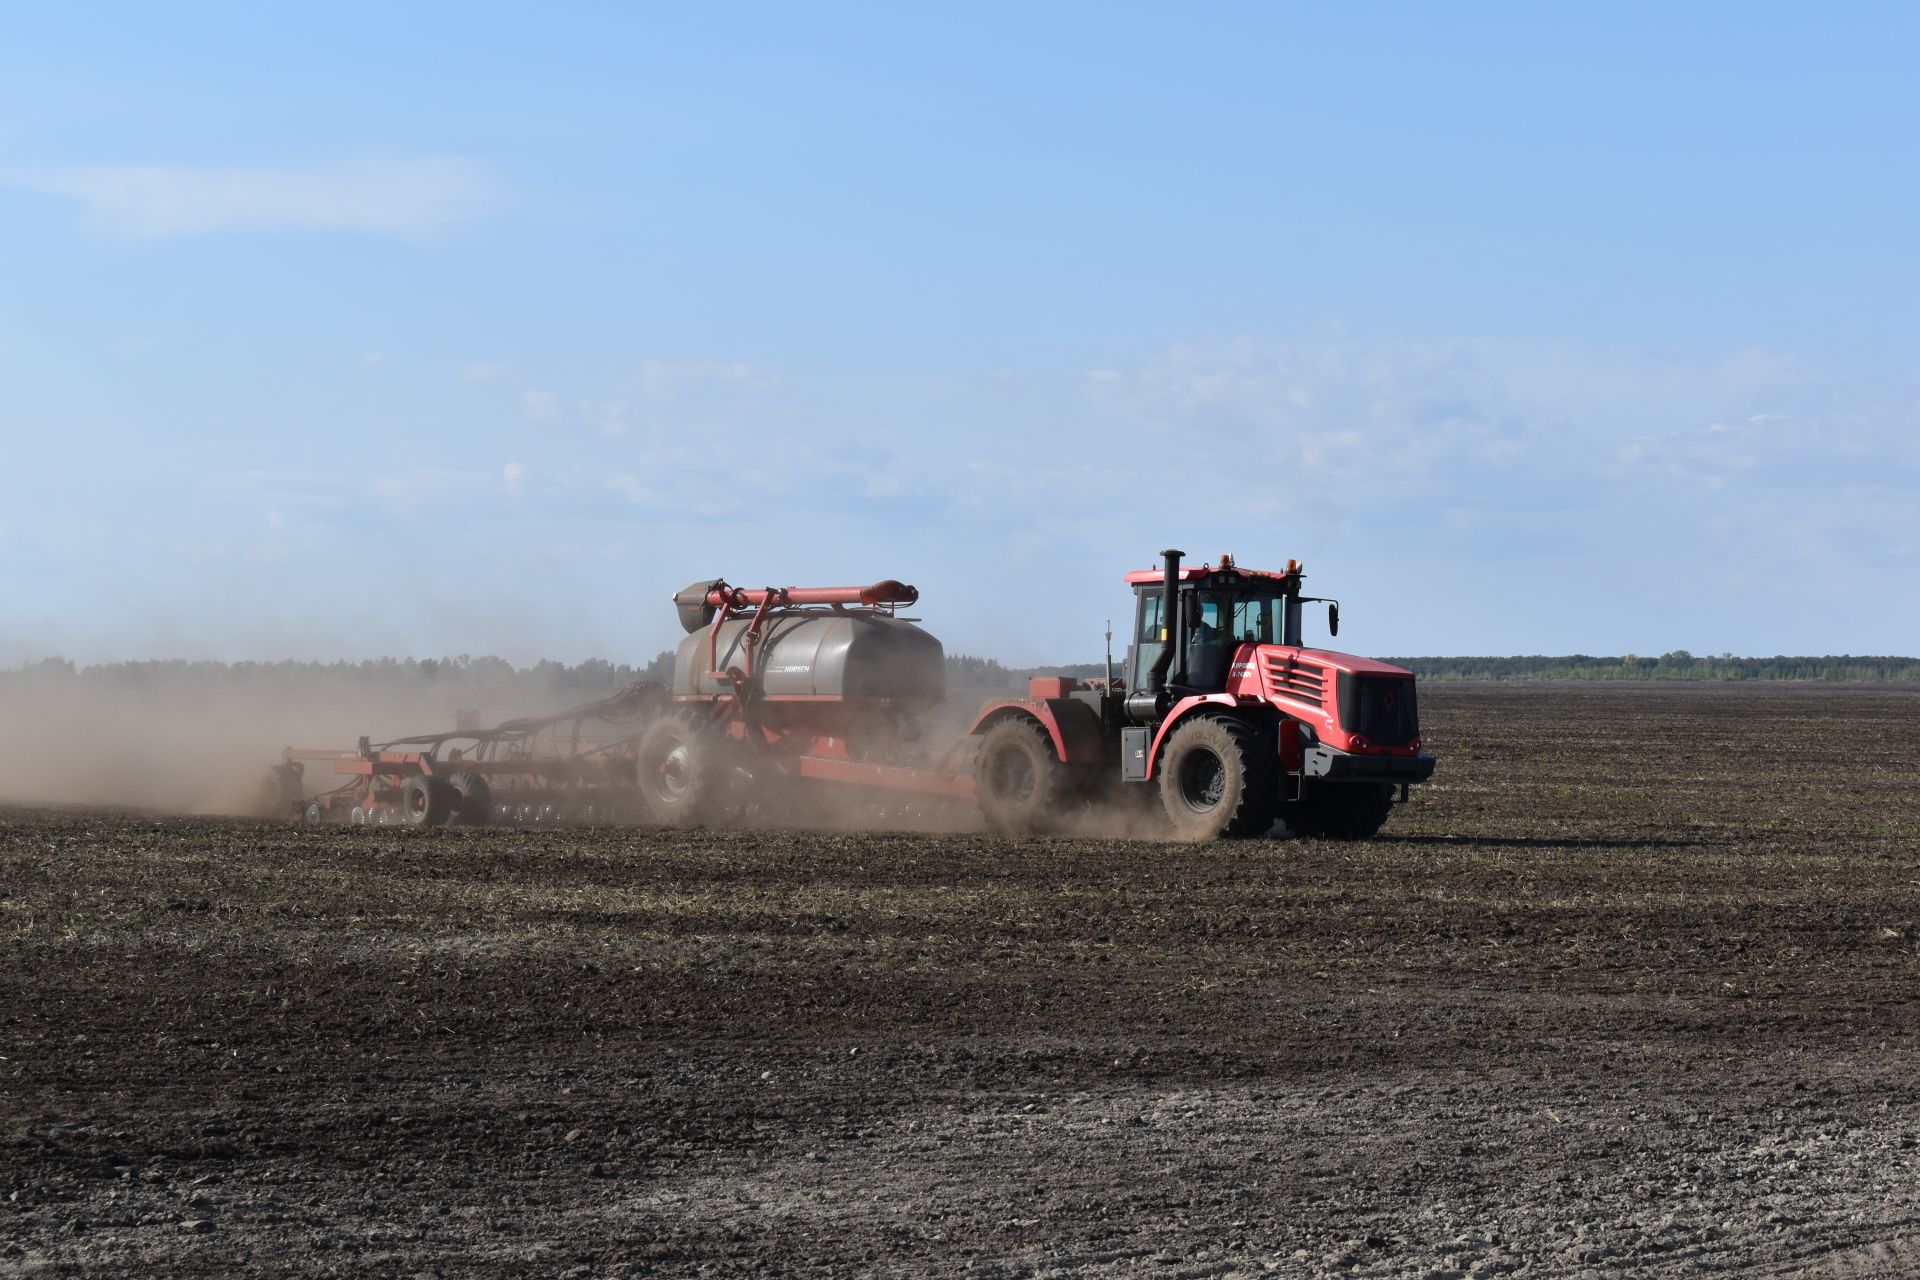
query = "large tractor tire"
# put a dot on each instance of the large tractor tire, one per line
(1019, 782)
(689, 774)
(472, 799)
(1340, 810)
(1218, 780)
(426, 801)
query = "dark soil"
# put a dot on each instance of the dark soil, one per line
(1632, 986)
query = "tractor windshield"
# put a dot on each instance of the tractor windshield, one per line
(1219, 622)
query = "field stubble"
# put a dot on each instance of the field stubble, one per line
(1630, 986)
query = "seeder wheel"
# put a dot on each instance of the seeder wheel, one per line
(689, 774)
(472, 799)
(426, 801)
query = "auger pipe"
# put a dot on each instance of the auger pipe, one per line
(886, 591)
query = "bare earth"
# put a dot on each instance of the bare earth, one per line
(1632, 987)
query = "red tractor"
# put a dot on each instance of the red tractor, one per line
(1222, 710)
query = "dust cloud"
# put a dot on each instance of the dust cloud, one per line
(200, 739)
(151, 738)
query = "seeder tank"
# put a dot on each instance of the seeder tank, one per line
(820, 657)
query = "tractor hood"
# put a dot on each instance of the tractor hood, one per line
(1343, 661)
(1351, 703)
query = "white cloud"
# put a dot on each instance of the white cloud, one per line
(402, 196)
(541, 406)
(611, 418)
(480, 371)
(424, 493)
(1563, 454)
(664, 378)
(1326, 420)
(632, 489)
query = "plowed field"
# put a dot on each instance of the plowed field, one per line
(1632, 986)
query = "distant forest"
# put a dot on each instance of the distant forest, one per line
(1677, 665)
(559, 681)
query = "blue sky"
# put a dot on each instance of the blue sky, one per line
(438, 329)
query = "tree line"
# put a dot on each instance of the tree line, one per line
(1676, 665)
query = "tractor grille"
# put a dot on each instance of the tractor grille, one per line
(1296, 678)
(1379, 707)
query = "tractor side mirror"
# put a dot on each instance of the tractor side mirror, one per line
(1333, 619)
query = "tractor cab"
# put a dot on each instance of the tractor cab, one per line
(1221, 609)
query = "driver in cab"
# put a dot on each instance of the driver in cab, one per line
(1206, 654)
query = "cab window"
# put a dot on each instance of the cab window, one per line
(1147, 640)
(1256, 619)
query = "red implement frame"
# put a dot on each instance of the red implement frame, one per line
(584, 754)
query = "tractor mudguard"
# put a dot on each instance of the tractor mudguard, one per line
(1073, 726)
(1181, 710)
